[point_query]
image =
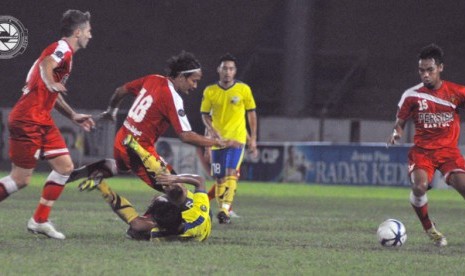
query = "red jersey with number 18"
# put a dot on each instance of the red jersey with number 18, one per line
(435, 114)
(156, 107)
(37, 102)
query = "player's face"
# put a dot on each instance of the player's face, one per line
(227, 71)
(430, 73)
(188, 84)
(83, 35)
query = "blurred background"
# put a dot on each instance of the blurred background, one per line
(321, 70)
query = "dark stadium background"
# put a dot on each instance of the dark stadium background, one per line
(342, 59)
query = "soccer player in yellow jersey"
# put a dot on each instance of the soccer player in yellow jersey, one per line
(224, 108)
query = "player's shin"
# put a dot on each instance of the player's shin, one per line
(219, 193)
(230, 191)
(151, 163)
(120, 205)
(420, 205)
(52, 190)
(7, 187)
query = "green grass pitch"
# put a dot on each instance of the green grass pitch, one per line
(284, 229)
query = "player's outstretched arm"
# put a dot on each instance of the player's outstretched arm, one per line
(115, 101)
(195, 139)
(192, 179)
(83, 120)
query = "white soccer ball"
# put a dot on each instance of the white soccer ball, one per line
(392, 233)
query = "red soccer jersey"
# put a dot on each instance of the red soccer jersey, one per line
(156, 107)
(37, 102)
(435, 114)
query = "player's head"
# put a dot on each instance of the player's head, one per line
(176, 193)
(430, 65)
(227, 68)
(76, 24)
(185, 71)
(166, 214)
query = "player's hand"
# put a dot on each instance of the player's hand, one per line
(166, 179)
(252, 148)
(84, 120)
(393, 139)
(57, 87)
(109, 114)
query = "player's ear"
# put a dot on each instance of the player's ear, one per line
(441, 67)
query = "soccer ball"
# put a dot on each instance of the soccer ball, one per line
(392, 233)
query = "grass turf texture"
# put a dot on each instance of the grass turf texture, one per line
(284, 229)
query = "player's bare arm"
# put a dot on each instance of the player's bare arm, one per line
(84, 120)
(207, 121)
(397, 132)
(47, 66)
(252, 140)
(119, 94)
(195, 139)
(192, 179)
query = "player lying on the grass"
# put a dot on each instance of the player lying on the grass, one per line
(164, 219)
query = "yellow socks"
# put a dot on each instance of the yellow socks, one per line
(120, 205)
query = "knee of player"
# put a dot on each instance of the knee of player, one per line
(142, 224)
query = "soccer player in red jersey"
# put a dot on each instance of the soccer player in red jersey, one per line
(157, 106)
(33, 133)
(433, 106)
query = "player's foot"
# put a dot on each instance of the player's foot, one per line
(233, 214)
(45, 228)
(130, 142)
(437, 237)
(223, 218)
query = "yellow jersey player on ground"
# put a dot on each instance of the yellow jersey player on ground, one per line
(224, 108)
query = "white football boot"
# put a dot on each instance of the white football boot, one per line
(437, 237)
(45, 228)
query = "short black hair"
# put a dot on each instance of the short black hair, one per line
(228, 57)
(166, 214)
(184, 61)
(71, 20)
(432, 51)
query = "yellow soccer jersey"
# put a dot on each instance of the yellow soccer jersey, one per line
(228, 108)
(197, 221)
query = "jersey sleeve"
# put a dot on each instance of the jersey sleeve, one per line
(249, 101)
(61, 52)
(205, 106)
(174, 110)
(135, 86)
(406, 104)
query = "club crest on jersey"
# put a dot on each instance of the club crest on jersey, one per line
(235, 100)
(59, 54)
(203, 208)
(181, 112)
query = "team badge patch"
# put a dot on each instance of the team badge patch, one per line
(203, 208)
(235, 100)
(181, 112)
(59, 54)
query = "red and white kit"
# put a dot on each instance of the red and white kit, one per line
(33, 133)
(156, 107)
(437, 127)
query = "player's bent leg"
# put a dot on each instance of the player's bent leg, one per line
(16, 180)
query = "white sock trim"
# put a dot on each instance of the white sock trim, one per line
(418, 201)
(9, 184)
(57, 178)
(225, 206)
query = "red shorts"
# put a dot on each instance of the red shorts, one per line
(128, 161)
(446, 160)
(29, 142)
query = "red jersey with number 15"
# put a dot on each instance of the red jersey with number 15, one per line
(156, 107)
(37, 102)
(435, 114)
